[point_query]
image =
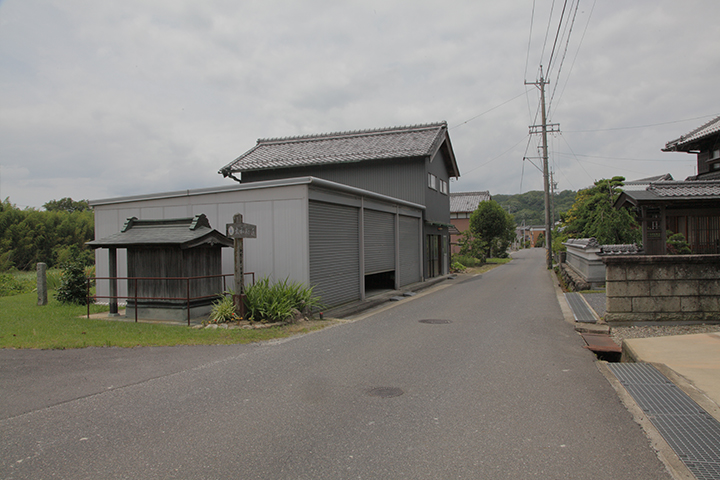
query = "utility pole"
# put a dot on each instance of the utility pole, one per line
(546, 175)
(553, 186)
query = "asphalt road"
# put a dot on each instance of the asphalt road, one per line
(503, 389)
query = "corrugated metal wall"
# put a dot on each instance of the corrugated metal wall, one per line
(379, 235)
(334, 252)
(410, 258)
(399, 178)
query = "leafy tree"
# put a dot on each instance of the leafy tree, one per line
(593, 215)
(491, 230)
(66, 204)
(30, 236)
(530, 206)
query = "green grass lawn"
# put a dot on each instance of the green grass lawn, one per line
(23, 324)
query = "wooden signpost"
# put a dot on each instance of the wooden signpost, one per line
(239, 231)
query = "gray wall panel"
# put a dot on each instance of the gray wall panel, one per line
(334, 252)
(379, 242)
(399, 178)
(410, 241)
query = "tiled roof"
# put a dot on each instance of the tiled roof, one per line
(688, 190)
(643, 183)
(341, 147)
(680, 145)
(709, 188)
(467, 201)
(183, 232)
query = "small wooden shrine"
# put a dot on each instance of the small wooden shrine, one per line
(174, 266)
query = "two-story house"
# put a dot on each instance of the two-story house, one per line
(413, 163)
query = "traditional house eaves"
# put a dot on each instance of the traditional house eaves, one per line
(690, 140)
(347, 147)
(671, 191)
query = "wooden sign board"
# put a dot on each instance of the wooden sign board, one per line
(241, 230)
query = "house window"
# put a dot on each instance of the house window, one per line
(432, 181)
(443, 187)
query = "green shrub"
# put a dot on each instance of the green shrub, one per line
(677, 245)
(223, 310)
(457, 267)
(12, 284)
(278, 302)
(468, 261)
(73, 284)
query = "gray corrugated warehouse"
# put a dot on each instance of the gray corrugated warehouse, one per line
(344, 212)
(309, 230)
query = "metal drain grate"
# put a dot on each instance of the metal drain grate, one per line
(692, 433)
(581, 311)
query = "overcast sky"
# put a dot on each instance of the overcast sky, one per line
(102, 99)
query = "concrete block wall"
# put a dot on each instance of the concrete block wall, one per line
(662, 288)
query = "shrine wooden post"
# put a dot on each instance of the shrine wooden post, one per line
(239, 231)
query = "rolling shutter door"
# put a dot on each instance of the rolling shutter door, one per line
(334, 253)
(409, 250)
(379, 242)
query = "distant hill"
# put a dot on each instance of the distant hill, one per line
(530, 206)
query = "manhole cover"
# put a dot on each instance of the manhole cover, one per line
(385, 392)
(435, 321)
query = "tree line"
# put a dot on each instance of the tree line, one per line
(54, 235)
(529, 207)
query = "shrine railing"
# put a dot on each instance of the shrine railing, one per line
(187, 298)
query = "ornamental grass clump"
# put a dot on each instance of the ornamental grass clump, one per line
(223, 310)
(279, 302)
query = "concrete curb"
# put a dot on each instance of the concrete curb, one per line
(355, 308)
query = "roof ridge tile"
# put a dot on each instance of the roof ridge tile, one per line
(352, 133)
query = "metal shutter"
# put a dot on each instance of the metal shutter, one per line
(379, 242)
(409, 250)
(334, 253)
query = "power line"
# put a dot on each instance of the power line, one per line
(488, 111)
(552, 53)
(690, 159)
(527, 57)
(562, 60)
(495, 158)
(547, 31)
(577, 159)
(641, 126)
(592, 9)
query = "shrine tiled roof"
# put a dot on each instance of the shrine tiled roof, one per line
(342, 147)
(183, 232)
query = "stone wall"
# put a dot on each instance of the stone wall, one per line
(582, 256)
(663, 288)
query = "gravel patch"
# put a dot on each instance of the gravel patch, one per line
(621, 333)
(597, 302)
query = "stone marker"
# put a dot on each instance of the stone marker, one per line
(42, 284)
